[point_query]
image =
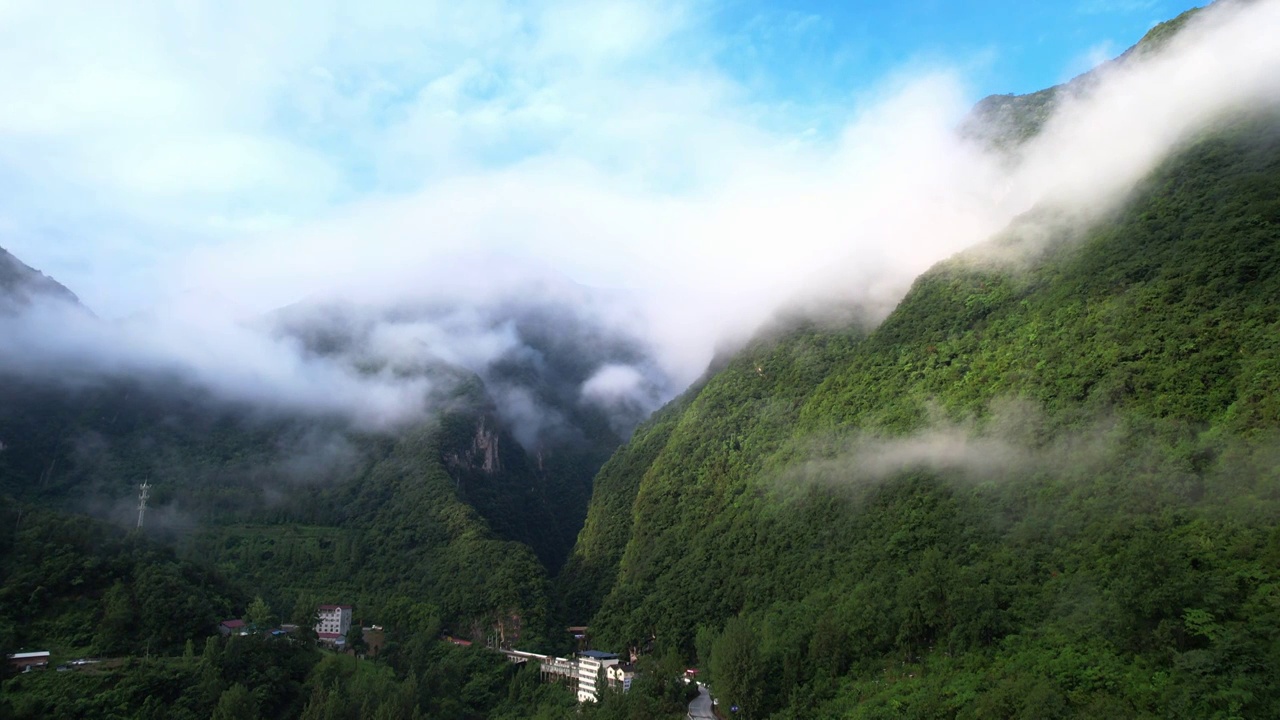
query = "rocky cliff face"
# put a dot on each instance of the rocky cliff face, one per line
(484, 454)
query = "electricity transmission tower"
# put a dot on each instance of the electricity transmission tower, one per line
(145, 491)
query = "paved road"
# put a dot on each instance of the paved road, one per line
(700, 707)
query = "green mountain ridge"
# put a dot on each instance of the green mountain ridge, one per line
(1007, 121)
(1047, 485)
(1042, 490)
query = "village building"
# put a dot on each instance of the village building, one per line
(233, 627)
(579, 635)
(25, 661)
(585, 674)
(332, 623)
(590, 667)
(619, 676)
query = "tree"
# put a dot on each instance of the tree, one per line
(259, 614)
(735, 665)
(236, 703)
(305, 615)
(355, 640)
(118, 622)
(703, 643)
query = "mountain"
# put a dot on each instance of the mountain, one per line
(1007, 121)
(526, 458)
(1045, 486)
(463, 509)
(1042, 488)
(20, 284)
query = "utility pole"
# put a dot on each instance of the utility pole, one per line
(142, 501)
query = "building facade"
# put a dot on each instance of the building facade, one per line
(590, 670)
(585, 674)
(333, 622)
(619, 676)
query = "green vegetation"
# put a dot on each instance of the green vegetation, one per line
(257, 676)
(1042, 488)
(1048, 491)
(72, 585)
(592, 567)
(402, 532)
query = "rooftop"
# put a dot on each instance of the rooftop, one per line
(598, 655)
(233, 623)
(335, 607)
(26, 655)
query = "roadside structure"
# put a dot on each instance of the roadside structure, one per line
(25, 661)
(585, 673)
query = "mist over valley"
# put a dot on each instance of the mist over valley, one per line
(507, 333)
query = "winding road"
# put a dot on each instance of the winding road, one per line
(700, 707)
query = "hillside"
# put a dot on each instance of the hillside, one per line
(1046, 485)
(298, 512)
(463, 512)
(78, 585)
(1044, 488)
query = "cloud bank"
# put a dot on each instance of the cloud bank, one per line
(342, 156)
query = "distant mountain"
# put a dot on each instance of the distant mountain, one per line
(1007, 121)
(469, 507)
(21, 284)
(533, 439)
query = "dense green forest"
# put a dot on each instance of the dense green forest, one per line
(1039, 489)
(292, 511)
(455, 509)
(86, 586)
(445, 526)
(1046, 486)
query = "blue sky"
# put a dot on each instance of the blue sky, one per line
(812, 48)
(135, 133)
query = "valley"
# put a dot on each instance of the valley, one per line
(1042, 482)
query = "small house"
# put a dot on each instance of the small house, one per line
(24, 661)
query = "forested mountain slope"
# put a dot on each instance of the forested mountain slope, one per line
(301, 513)
(69, 582)
(1041, 488)
(462, 511)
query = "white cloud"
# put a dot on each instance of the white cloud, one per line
(269, 152)
(613, 383)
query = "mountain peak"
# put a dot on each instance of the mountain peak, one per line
(21, 284)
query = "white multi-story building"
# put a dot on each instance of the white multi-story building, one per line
(333, 622)
(590, 663)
